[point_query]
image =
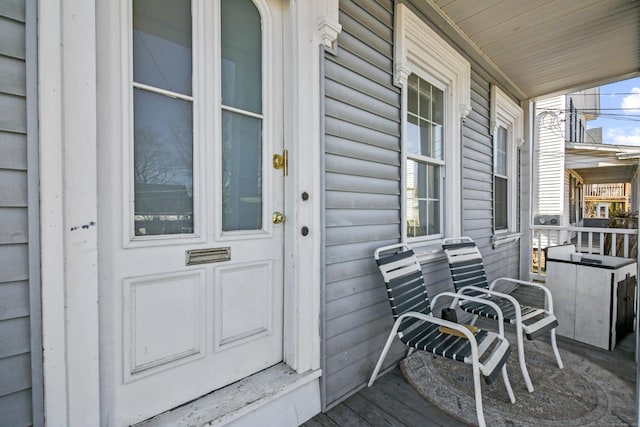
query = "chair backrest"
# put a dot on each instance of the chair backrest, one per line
(465, 263)
(404, 281)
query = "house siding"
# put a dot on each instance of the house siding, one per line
(362, 195)
(17, 400)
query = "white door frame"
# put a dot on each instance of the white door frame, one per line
(68, 130)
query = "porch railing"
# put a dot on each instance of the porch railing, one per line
(605, 190)
(602, 241)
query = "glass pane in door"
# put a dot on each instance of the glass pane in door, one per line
(163, 165)
(162, 117)
(242, 115)
(241, 172)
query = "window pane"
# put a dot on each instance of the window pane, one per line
(423, 199)
(425, 110)
(425, 101)
(412, 105)
(163, 165)
(162, 44)
(501, 151)
(413, 135)
(241, 172)
(426, 139)
(241, 55)
(437, 107)
(437, 142)
(500, 207)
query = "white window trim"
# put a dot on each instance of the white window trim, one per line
(506, 113)
(420, 50)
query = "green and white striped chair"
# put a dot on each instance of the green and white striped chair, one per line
(469, 278)
(415, 325)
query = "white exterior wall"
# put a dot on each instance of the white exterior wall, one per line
(549, 174)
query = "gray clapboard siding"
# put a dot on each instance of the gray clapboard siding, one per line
(20, 368)
(15, 374)
(15, 263)
(362, 188)
(15, 409)
(13, 72)
(13, 9)
(15, 300)
(13, 188)
(13, 227)
(13, 147)
(13, 113)
(349, 217)
(13, 35)
(14, 336)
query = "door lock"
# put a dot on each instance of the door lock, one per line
(281, 161)
(277, 217)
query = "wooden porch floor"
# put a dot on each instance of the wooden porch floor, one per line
(393, 402)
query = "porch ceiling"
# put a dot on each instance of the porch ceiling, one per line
(545, 47)
(602, 163)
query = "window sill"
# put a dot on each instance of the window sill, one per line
(504, 238)
(427, 252)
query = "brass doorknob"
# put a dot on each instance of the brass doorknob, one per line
(277, 217)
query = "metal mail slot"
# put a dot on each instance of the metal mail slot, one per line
(206, 256)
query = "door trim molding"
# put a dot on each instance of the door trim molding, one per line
(69, 245)
(69, 240)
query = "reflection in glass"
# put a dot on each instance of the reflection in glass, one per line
(241, 36)
(501, 151)
(241, 172)
(423, 199)
(424, 118)
(163, 165)
(241, 55)
(162, 44)
(163, 136)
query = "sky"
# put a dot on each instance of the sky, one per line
(619, 113)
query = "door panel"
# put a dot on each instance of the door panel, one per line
(187, 132)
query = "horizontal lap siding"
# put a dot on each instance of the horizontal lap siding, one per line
(362, 194)
(362, 185)
(15, 328)
(477, 183)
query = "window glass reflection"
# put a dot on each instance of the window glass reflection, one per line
(163, 165)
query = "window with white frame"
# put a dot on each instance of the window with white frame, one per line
(425, 158)
(436, 84)
(507, 128)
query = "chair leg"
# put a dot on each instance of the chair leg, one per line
(523, 366)
(478, 395)
(555, 349)
(507, 384)
(385, 350)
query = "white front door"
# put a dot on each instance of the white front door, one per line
(190, 254)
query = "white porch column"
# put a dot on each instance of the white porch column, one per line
(310, 24)
(67, 114)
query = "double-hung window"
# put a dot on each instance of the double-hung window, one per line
(500, 180)
(507, 128)
(436, 84)
(425, 158)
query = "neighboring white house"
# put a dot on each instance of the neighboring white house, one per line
(568, 159)
(557, 189)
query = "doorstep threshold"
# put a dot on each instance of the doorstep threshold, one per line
(235, 400)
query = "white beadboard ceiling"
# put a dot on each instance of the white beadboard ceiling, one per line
(544, 47)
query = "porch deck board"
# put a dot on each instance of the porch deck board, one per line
(392, 401)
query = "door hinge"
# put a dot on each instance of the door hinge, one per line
(281, 161)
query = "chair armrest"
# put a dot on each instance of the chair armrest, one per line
(457, 296)
(548, 302)
(441, 322)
